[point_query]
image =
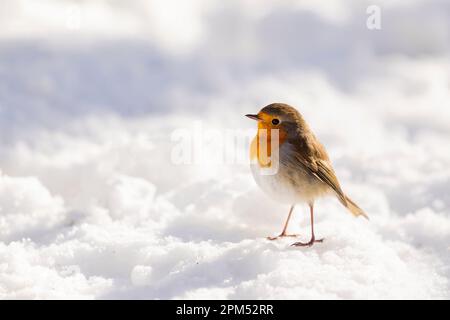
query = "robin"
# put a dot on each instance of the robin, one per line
(301, 170)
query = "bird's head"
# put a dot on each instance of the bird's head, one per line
(279, 116)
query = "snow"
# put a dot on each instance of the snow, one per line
(92, 205)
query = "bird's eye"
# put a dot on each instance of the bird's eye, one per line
(275, 122)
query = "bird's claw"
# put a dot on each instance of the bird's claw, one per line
(283, 235)
(306, 244)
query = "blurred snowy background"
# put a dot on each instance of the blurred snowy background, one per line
(92, 207)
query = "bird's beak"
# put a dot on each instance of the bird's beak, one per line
(253, 116)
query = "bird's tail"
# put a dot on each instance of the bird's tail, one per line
(353, 208)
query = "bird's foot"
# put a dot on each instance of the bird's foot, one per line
(283, 235)
(306, 244)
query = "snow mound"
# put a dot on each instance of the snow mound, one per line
(27, 208)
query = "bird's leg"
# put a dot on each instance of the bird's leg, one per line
(283, 233)
(313, 238)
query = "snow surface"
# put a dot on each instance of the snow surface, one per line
(91, 206)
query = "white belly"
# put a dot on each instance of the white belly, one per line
(288, 185)
(275, 187)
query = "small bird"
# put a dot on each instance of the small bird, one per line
(296, 169)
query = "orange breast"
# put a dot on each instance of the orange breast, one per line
(261, 147)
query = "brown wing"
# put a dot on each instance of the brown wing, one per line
(326, 173)
(312, 155)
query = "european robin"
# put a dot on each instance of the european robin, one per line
(290, 164)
